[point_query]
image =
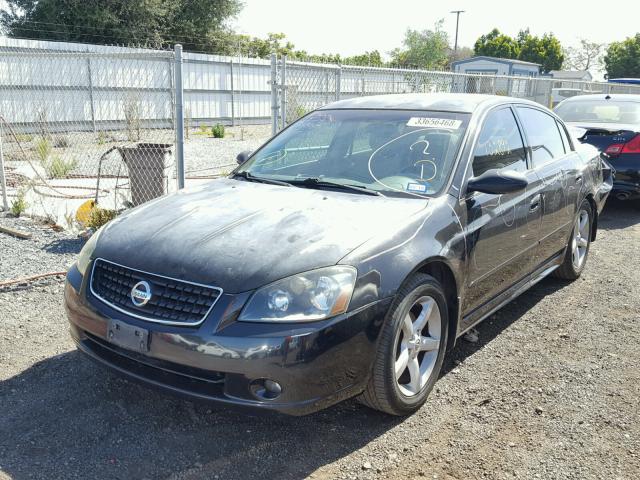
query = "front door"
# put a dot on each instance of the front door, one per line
(502, 230)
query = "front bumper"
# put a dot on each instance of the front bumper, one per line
(222, 360)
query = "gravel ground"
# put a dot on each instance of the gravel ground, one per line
(549, 391)
(205, 156)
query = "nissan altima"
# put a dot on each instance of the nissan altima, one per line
(344, 257)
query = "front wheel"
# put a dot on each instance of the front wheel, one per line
(577, 251)
(411, 348)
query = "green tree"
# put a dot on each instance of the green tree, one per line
(496, 44)
(197, 24)
(545, 50)
(370, 59)
(622, 59)
(423, 49)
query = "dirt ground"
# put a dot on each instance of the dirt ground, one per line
(551, 390)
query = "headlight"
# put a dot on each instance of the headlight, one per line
(85, 254)
(306, 297)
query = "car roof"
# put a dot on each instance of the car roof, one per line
(446, 102)
(621, 97)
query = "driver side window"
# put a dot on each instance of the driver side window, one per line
(499, 144)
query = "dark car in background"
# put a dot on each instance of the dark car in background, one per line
(611, 123)
(342, 258)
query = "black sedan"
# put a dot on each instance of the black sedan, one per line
(612, 124)
(344, 257)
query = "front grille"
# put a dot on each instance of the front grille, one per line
(172, 301)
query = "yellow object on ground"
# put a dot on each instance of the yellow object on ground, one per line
(84, 212)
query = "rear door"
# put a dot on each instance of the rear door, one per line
(556, 165)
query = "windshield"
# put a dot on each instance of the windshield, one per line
(599, 111)
(394, 152)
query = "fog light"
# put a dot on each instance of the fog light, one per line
(265, 389)
(273, 387)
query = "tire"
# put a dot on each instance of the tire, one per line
(571, 269)
(415, 329)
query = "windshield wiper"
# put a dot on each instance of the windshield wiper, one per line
(252, 178)
(316, 182)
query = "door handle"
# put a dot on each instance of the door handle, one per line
(535, 203)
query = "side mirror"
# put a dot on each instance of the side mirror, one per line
(243, 157)
(496, 182)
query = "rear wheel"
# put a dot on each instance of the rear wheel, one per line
(578, 248)
(411, 348)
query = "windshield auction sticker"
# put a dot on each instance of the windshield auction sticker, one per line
(430, 122)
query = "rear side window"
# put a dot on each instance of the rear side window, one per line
(499, 144)
(543, 135)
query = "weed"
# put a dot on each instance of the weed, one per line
(100, 216)
(23, 137)
(43, 149)
(102, 138)
(59, 167)
(19, 205)
(217, 130)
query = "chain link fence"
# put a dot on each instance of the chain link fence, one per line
(303, 87)
(84, 124)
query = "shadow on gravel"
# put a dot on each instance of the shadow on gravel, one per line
(501, 320)
(67, 418)
(64, 246)
(618, 215)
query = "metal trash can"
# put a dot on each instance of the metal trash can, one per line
(148, 165)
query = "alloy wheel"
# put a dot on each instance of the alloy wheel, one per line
(580, 241)
(417, 346)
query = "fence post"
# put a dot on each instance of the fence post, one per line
(274, 94)
(338, 82)
(364, 88)
(233, 96)
(326, 87)
(179, 117)
(3, 180)
(93, 109)
(283, 92)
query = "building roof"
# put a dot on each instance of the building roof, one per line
(512, 61)
(444, 102)
(570, 74)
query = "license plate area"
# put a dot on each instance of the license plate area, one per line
(128, 336)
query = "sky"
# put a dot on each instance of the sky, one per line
(350, 27)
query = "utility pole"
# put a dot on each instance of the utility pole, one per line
(457, 12)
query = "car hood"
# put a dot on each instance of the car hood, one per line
(240, 235)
